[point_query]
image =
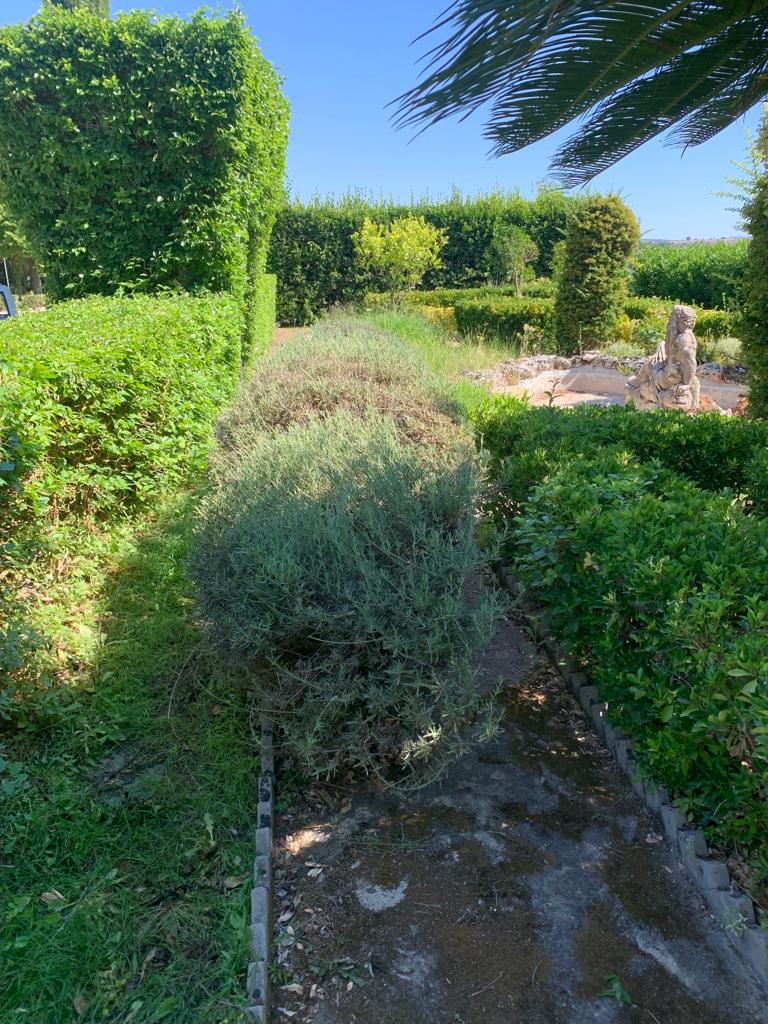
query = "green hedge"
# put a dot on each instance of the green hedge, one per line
(260, 316)
(705, 274)
(504, 317)
(496, 311)
(713, 451)
(109, 399)
(710, 323)
(592, 273)
(142, 151)
(313, 255)
(662, 588)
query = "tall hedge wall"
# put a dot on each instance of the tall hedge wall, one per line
(709, 274)
(145, 151)
(314, 257)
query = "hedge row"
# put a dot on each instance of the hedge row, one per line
(317, 266)
(142, 151)
(106, 400)
(662, 589)
(350, 617)
(704, 273)
(713, 451)
(495, 311)
(657, 580)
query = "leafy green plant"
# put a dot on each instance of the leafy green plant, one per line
(592, 273)
(660, 587)
(351, 618)
(713, 451)
(399, 253)
(753, 321)
(709, 274)
(314, 257)
(510, 255)
(505, 317)
(112, 398)
(141, 152)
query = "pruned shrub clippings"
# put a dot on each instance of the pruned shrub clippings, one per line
(333, 555)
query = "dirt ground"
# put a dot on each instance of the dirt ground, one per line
(529, 886)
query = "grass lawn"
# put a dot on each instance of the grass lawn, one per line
(449, 355)
(126, 850)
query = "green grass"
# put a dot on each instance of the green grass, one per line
(126, 850)
(449, 355)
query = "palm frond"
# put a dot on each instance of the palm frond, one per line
(544, 63)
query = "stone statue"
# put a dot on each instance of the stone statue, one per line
(668, 379)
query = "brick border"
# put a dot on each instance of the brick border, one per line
(734, 910)
(257, 981)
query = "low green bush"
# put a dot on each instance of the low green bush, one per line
(505, 317)
(662, 588)
(350, 617)
(709, 274)
(713, 451)
(107, 400)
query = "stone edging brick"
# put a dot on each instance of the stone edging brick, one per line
(257, 981)
(734, 910)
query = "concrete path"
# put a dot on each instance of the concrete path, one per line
(529, 886)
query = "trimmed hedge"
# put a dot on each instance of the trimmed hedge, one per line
(142, 151)
(592, 272)
(709, 274)
(662, 588)
(495, 311)
(107, 400)
(505, 317)
(314, 257)
(658, 579)
(713, 451)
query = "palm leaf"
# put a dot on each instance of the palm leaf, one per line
(543, 63)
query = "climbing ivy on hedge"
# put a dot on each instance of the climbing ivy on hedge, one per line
(592, 273)
(141, 152)
(317, 266)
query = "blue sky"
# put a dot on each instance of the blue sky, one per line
(344, 60)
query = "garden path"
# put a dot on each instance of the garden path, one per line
(529, 885)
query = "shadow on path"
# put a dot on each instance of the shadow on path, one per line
(530, 885)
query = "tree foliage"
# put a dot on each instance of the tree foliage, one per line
(99, 7)
(627, 71)
(141, 152)
(754, 320)
(592, 273)
(317, 264)
(511, 253)
(400, 253)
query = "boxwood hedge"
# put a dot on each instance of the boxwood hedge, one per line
(142, 151)
(106, 400)
(662, 588)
